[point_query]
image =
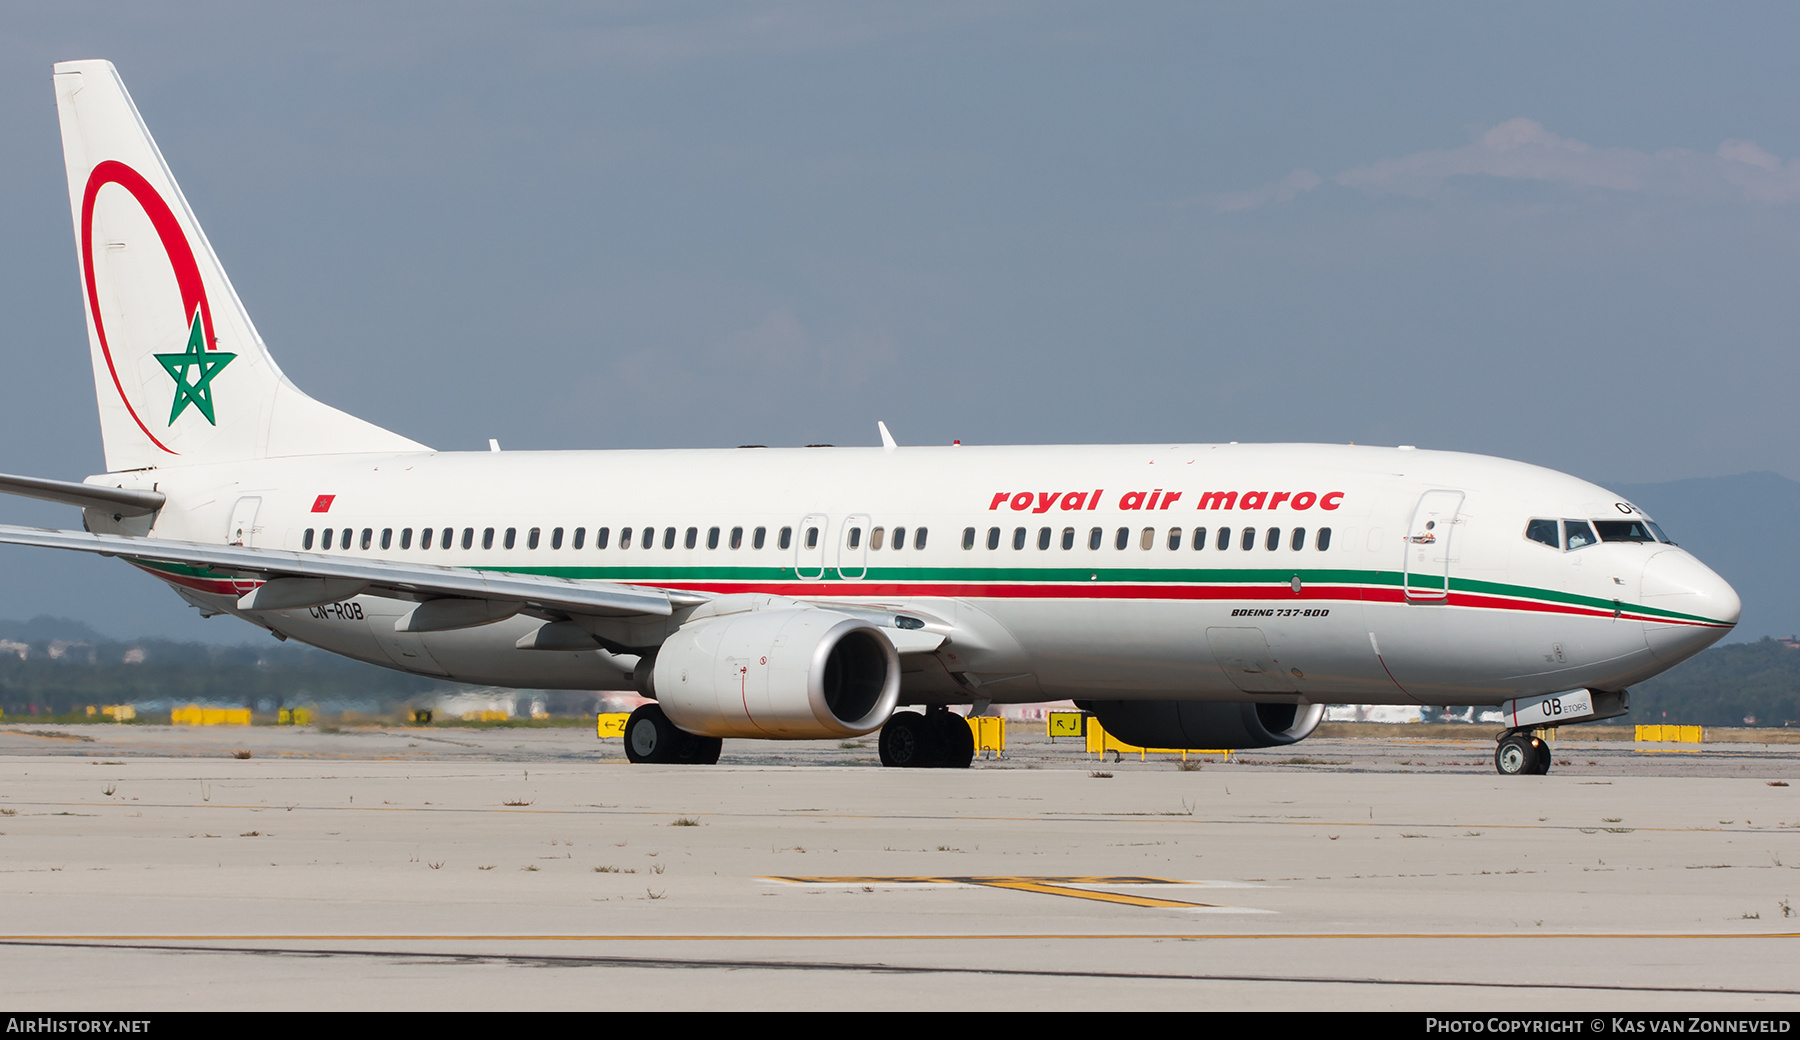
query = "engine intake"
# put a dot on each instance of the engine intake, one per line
(796, 673)
(1206, 725)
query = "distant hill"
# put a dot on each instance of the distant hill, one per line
(1738, 526)
(46, 629)
(1725, 686)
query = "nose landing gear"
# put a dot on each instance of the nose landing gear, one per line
(1521, 754)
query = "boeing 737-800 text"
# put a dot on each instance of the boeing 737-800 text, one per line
(1188, 595)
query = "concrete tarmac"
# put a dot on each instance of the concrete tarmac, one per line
(146, 868)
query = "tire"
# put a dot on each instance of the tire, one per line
(956, 741)
(1517, 755)
(1543, 757)
(650, 737)
(906, 741)
(703, 751)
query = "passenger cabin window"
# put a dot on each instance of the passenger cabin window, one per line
(669, 537)
(1577, 534)
(876, 536)
(468, 538)
(1273, 541)
(785, 539)
(580, 538)
(1199, 538)
(691, 539)
(556, 538)
(1175, 537)
(306, 540)
(737, 538)
(487, 538)
(406, 538)
(1018, 538)
(425, 534)
(624, 537)
(1122, 538)
(1543, 531)
(918, 538)
(1298, 542)
(756, 540)
(1623, 531)
(993, 539)
(968, 538)
(368, 537)
(1068, 538)
(1044, 534)
(1323, 541)
(853, 538)
(1224, 541)
(1095, 537)
(648, 539)
(533, 537)
(1249, 540)
(812, 538)
(512, 537)
(712, 538)
(899, 537)
(387, 537)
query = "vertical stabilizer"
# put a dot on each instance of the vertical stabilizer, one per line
(180, 373)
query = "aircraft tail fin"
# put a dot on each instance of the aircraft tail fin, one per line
(179, 370)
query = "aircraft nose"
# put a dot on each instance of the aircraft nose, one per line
(1695, 608)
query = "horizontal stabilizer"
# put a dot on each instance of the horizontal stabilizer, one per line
(119, 501)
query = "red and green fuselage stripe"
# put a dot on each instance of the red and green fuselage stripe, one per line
(1063, 583)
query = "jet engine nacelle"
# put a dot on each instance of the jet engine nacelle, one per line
(1204, 725)
(798, 673)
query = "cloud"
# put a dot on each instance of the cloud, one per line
(1522, 150)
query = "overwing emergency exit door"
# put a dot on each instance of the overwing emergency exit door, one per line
(1429, 547)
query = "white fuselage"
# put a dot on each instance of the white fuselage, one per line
(1428, 590)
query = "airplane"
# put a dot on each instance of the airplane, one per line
(1185, 595)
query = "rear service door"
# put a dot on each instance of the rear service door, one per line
(243, 521)
(1428, 547)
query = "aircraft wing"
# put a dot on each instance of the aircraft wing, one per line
(298, 579)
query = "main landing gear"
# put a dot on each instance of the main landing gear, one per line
(651, 737)
(938, 739)
(1520, 754)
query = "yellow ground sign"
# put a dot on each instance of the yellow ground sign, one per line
(1676, 734)
(611, 724)
(195, 715)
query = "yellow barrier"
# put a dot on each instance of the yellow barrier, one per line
(610, 724)
(1062, 724)
(1099, 742)
(990, 734)
(485, 716)
(195, 715)
(119, 712)
(1675, 734)
(295, 717)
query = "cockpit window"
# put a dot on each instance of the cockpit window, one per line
(1660, 535)
(1543, 531)
(1577, 534)
(1623, 531)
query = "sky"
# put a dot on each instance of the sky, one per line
(1551, 232)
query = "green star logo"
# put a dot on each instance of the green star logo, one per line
(193, 371)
